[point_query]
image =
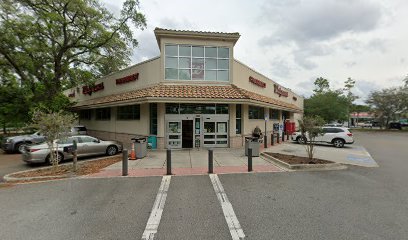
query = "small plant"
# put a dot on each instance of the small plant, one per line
(53, 126)
(310, 128)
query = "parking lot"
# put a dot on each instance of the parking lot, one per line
(357, 203)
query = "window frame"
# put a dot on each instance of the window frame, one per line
(100, 114)
(260, 114)
(134, 114)
(218, 71)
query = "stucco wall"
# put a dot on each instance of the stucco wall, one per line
(241, 74)
(149, 74)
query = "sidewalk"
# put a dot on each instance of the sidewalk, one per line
(190, 162)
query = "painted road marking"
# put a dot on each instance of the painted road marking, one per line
(157, 210)
(229, 214)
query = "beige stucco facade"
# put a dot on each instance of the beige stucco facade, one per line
(151, 89)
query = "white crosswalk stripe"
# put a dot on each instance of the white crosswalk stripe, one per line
(229, 214)
(157, 210)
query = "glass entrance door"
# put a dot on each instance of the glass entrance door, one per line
(187, 134)
(215, 133)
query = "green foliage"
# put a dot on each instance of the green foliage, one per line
(322, 85)
(14, 105)
(388, 104)
(53, 125)
(310, 128)
(60, 44)
(331, 105)
(360, 108)
(47, 46)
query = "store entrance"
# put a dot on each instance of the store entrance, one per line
(187, 134)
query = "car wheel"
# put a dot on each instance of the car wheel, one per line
(338, 143)
(19, 147)
(59, 159)
(301, 140)
(111, 150)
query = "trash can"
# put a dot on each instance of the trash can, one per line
(252, 142)
(140, 146)
(152, 142)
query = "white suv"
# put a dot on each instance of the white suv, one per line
(338, 136)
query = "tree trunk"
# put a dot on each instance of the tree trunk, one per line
(4, 128)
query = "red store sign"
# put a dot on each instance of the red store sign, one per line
(278, 90)
(127, 79)
(90, 90)
(257, 82)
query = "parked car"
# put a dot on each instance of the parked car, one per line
(367, 124)
(334, 125)
(79, 130)
(17, 143)
(338, 136)
(86, 146)
(395, 125)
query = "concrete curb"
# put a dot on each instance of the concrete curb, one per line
(9, 177)
(303, 167)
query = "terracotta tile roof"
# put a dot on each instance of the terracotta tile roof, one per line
(230, 92)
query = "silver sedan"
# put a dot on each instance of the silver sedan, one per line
(86, 146)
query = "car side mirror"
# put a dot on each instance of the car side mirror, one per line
(96, 141)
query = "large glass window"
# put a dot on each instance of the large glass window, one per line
(85, 114)
(185, 62)
(256, 112)
(238, 114)
(102, 114)
(273, 114)
(186, 108)
(153, 118)
(131, 112)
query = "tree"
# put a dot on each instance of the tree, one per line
(321, 85)
(53, 45)
(331, 105)
(388, 103)
(14, 105)
(310, 128)
(53, 125)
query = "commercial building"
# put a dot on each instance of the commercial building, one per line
(195, 94)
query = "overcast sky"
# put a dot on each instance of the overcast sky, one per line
(293, 41)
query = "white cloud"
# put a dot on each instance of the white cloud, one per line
(295, 41)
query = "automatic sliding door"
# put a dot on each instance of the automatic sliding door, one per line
(215, 134)
(174, 133)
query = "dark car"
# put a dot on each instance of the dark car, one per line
(395, 125)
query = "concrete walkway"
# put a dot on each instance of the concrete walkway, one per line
(190, 162)
(232, 160)
(351, 154)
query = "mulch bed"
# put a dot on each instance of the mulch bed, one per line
(83, 168)
(291, 159)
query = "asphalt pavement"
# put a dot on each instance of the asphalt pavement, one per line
(357, 203)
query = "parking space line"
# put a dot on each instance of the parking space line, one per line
(157, 210)
(229, 214)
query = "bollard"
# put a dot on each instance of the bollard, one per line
(168, 161)
(124, 162)
(287, 136)
(277, 138)
(265, 141)
(210, 161)
(272, 139)
(283, 136)
(249, 159)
